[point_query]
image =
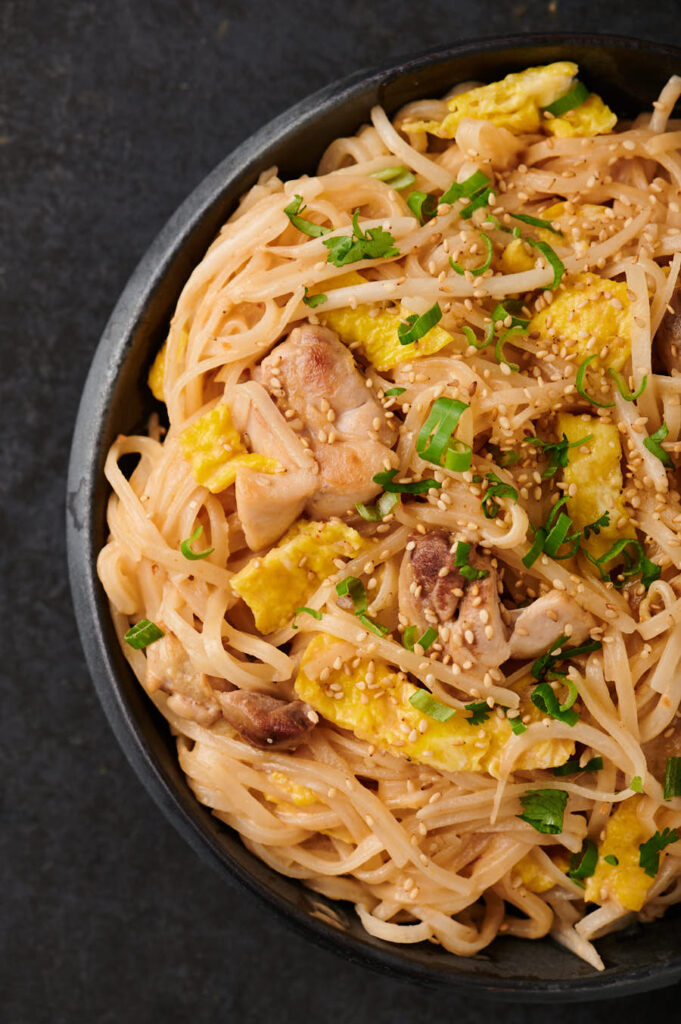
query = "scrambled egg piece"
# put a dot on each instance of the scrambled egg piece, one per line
(514, 103)
(275, 585)
(376, 336)
(300, 796)
(533, 877)
(625, 882)
(597, 475)
(590, 316)
(579, 227)
(155, 377)
(214, 448)
(515, 258)
(383, 716)
(592, 117)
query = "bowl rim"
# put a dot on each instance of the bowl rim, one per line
(91, 607)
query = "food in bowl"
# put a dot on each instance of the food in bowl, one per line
(398, 557)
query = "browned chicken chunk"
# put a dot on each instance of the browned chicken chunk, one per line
(667, 342)
(313, 376)
(267, 721)
(551, 616)
(170, 669)
(430, 585)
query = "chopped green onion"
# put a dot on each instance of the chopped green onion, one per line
(627, 395)
(649, 852)
(636, 784)
(354, 589)
(536, 549)
(672, 778)
(385, 480)
(383, 507)
(499, 348)
(458, 190)
(423, 205)
(194, 556)
(416, 326)
(579, 383)
(483, 266)
(397, 177)
(544, 809)
(573, 692)
(595, 764)
(461, 563)
(653, 445)
(372, 626)
(477, 201)
(583, 864)
(409, 638)
(480, 712)
(435, 435)
(545, 699)
(314, 300)
(573, 98)
(536, 222)
(458, 456)
(649, 571)
(546, 662)
(394, 392)
(295, 207)
(308, 611)
(498, 489)
(611, 859)
(552, 258)
(517, 726)
(557, 452)
(425, 702)
(472, 340)
(142, 634)
(510, 307)
(374, 244)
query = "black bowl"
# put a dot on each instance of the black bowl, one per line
(629, 74)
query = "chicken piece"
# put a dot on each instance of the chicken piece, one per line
(170, 669)
(478, 637)
(314, 375)
(667, 343)
(427, 594)
(267, 721)
(267, 503)
(551, 616)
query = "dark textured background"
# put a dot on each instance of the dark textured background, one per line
(111, 113)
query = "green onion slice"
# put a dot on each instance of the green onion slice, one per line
(394, 392)
(383, 507)
(314, 300)
(425, 702)
(611, 859)
(536, 222)
(477, 201)
(354, 589)
(397, 177)
(499, 348)
(416, 326)
(672, 778)
(545, 699)
(409, 638)
(465, 189)
(372, 626)
(194, 556)
(636, 784)
(458, 456)
(579, 383)
(536, 548)
(142, 634)
(295, 207)
(552, 258)
(461, 563)
(472, 340)
(385, 480)
(627, 395)
(423, 205)
(653, 445)
(517, 727)
(573, 98)
(476, 271)
(307, 611)
(435, 435)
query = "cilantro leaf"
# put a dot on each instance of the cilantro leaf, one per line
(373, 244)
(480, 712)
(543, 809)
(649, 852)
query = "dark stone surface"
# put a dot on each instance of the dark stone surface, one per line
(111, 114)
